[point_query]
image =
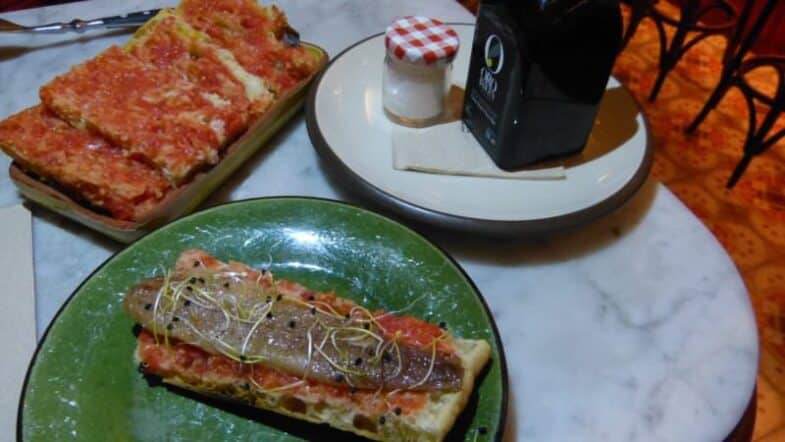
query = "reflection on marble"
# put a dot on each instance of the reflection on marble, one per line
(637, 327)
(628, 329)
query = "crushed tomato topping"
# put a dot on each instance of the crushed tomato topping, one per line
(196, 366)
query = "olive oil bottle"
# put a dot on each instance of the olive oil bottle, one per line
(537, 73)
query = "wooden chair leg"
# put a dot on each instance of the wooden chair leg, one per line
(636, 17)
(669, 56)
(689, 31)
(726, 81)
(758, 138)
(739, 43)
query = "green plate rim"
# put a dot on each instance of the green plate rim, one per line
(497, 337)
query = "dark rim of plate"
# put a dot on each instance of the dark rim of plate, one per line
(354, 183)
(494, 329)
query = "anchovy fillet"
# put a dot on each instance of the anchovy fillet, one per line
(221, 313)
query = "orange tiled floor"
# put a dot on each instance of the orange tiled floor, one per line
(750, 219)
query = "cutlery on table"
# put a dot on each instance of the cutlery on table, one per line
(133, 19)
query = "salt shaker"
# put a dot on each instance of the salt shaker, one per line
(417, 67)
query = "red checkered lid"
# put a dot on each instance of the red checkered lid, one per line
(421, 40)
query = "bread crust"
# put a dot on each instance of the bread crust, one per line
(431, 423)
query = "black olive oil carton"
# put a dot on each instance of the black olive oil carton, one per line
(537, 73)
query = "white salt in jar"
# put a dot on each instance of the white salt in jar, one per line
(417, 69)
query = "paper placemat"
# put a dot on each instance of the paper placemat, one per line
(448, 149)
(17, 308)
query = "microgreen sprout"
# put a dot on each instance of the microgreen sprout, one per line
(239, 305)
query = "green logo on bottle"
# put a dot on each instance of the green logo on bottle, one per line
(494, 54)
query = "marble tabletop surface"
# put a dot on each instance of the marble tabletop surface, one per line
(637, 327)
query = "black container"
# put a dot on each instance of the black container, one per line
(538, 71)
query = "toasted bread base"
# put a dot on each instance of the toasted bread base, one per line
(431, 423)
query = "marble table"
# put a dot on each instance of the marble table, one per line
(637, 327)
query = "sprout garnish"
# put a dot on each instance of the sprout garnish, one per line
(243, 299)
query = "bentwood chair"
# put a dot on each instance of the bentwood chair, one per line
(689, 29)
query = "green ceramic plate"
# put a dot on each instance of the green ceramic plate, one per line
(83, 385)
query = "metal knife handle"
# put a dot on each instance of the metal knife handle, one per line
(132, 19)
(119, 21)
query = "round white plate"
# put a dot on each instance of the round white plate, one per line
(348, 127)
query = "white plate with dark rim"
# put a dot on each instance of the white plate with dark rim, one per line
(349, 130)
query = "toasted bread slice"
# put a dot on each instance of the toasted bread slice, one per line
(378, 411)
(152, 112)
(84, 164)
(259, 38)
(167, 40)
(431, 421)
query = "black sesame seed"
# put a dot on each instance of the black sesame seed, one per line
(382, 420)
(197, 263)
(366, 326)
(346, 316)
(443, 325)
(269, 315)
(310, 298)
(292, 323)
(226, 285)
(192, 280)
(242, 357)
(397, 411)
(269, 298)
(169, 326)
(358, 361)
(482, 430)
(279, 297)
(247, 386)
(371, 352)
(187, 303)
(339, 377)
(201, 280)
(313, 310)
(386, 356)
(175, 319)
(189, 288)
(148, 306)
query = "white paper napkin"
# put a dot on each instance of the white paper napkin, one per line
(449, 150)
(17, 308)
